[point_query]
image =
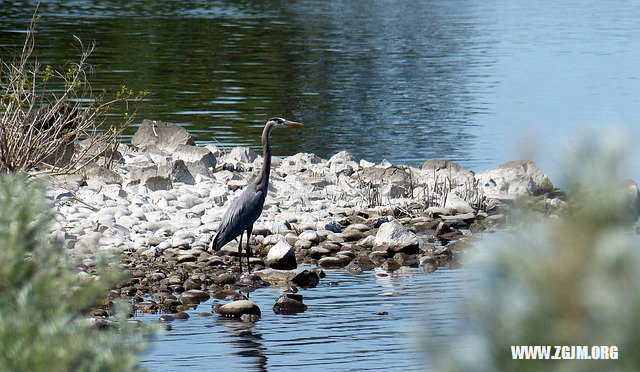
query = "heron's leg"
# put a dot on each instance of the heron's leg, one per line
(240, 253)
(249, 249)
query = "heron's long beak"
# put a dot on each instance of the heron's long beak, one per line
(293, 124)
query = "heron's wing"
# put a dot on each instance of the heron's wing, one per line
(242, 213)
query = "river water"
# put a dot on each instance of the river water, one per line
(477, 82)
(341, 330)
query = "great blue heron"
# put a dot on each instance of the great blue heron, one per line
(246, 209)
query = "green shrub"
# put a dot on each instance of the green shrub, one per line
(569, 280)
(43, 305)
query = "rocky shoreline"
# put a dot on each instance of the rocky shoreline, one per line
(159, 201)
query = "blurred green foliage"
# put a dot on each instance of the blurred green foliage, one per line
(571, 279)
(44, 324)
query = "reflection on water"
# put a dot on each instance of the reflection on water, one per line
(365, 77)
(342, 328)
(402, 80)
(248, 342)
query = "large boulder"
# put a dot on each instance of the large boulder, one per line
(298, 163)
(149, 177)
(300, 277)
(177, 171)
(196, 155)
(281, 256)
(99, 175)
(238, 308)
(164, 136)
(512, 179)
(446, 172)
(241, 155)
(632, 196)
(394, 181)
(289, 303)
(161, 177)
(341, 157)
(103, 152)
(393, 237)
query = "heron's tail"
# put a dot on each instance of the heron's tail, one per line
(214, 243)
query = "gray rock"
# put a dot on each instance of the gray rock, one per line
(310, 235)
(341, 157)
(213, 149)
(164, 136)
(632, 195)
(225, 278)
(300, 277)
(92, 147)
(113, 191)
(177, 172)
(149, 177)
(455, 204)
(202, 296)
(238, 308)
(71, 182)
(385, 178)
(186, 257)
(330, 226)
(393, 237)
(353, 234)
(515, 178)
(242, 155)
(194, 154)
(281, 256)
(318, 252)
(289, 303)
(101, 175)
(366, 242)
(358, 226)
(446, 170)
(332, 262)
(302, 244)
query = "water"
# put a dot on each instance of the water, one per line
(473, 81)
(477, 82)
(339, 331)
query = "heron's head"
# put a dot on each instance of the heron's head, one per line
(280, 122)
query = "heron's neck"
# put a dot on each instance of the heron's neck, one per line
(263, 176)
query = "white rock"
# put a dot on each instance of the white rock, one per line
(341, 157)
(156, 216)
(194, 154)
(242, 155)
(281, 256)
(310, 235)
(515, 178)
(393, 236)
(457, 205)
